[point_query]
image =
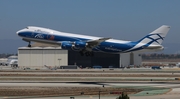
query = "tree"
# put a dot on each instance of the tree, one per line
(123, 96)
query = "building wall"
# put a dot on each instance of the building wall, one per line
(125, 59)
(55, 56)
(137, 59)
(40, 56)
(128, 59)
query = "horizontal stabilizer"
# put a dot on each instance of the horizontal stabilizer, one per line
(154, 47)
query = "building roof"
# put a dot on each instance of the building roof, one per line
(39, 48)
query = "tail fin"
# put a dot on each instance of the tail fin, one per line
(157, 36)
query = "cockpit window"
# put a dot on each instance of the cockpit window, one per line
(27, 27)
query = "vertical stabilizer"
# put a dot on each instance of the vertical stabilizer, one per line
(157, 36)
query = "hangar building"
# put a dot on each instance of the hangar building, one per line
(38, 57)
(41, 56)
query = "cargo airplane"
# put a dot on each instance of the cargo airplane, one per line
(86, 45)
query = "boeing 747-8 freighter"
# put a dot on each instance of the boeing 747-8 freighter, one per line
(86, 45)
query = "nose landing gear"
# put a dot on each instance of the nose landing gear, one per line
(29, 45)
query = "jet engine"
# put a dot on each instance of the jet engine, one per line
(66, 45)
(80, 44)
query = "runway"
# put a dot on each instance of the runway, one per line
(90, 84)
(166, 90)
(155, 84)
(86, 73)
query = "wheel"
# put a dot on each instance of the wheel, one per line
(29, 45)
(82, 54)
(87, 53)
(92, 54)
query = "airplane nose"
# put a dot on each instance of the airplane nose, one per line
(19, 32)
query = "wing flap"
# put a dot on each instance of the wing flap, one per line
(97, 42)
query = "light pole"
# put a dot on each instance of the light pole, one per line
(120, 60)
(99, 94)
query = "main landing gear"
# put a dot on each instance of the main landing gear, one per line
(29, 45)
(86, 53)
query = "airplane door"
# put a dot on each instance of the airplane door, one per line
(32, 35)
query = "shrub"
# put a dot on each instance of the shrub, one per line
(123, 96)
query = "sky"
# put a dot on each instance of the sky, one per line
(120, 19)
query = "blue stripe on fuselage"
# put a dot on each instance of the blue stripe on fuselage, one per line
(116, 47)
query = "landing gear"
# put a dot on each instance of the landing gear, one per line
(88, 53)
(81, 52)
(29, 45)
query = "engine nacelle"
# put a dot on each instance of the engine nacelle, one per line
(80, 44)
(66, 45)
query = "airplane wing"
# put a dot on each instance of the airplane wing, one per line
(93, 43)
(89, 44)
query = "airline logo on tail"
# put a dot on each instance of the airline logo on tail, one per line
(157, 36)
(153, 40)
